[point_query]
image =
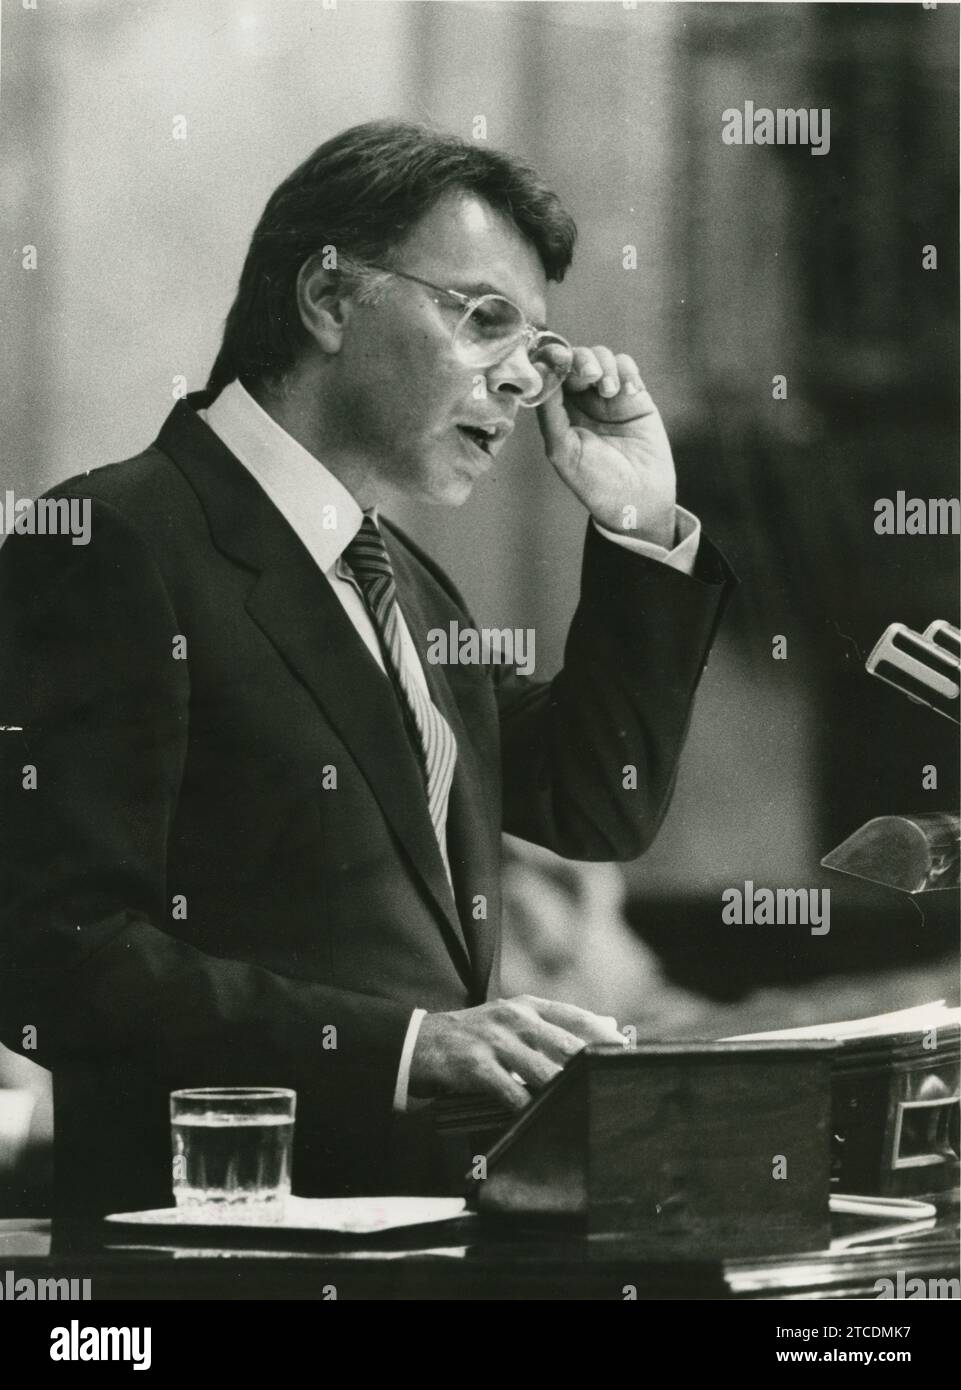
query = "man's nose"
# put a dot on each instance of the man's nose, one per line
(514, 375)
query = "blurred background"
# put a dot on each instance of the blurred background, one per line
(751, 262)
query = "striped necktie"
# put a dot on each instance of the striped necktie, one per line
(435, 743)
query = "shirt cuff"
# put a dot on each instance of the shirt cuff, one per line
(684, 554)
(406, 1057)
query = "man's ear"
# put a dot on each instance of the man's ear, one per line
(322, 303)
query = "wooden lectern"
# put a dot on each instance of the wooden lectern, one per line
(693, 1150)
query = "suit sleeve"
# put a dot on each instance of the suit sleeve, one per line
(91, 760)
(589, 760)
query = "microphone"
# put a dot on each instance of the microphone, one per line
(924, 666)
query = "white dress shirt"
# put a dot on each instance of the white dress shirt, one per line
(326, 518)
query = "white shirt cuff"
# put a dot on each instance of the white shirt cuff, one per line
(683, 555)
(406, 1057)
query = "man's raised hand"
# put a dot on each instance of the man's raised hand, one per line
(606, 439)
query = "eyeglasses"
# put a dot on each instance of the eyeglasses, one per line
(491, 327)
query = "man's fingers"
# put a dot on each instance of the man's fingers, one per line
(640, 397)
(610, 374)
(555, 428)
(495, 1080)
(507, 1048)
(631, 382)
(582, 1023)
(585, 371)
(610, 382)
(596, 366)
(528, 1062)
(559, 1044)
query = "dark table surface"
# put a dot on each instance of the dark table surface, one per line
(467, 1258)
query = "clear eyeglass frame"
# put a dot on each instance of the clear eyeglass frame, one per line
(548, 353)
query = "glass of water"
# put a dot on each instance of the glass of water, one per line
(231, 1151)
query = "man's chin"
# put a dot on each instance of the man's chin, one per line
(452, 491)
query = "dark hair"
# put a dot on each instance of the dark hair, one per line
(362, 192)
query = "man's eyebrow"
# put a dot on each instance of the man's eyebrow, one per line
(479, 287)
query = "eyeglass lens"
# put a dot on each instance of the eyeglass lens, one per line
(494, 326)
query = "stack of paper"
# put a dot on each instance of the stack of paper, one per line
(917, 1020)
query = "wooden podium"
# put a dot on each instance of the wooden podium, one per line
(693, 1150)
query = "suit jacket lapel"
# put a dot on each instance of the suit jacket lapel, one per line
(474, 835)
(294, 604)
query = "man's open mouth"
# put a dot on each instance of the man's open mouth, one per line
(481, 436)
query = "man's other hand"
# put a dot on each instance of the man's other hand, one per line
(486, 1048)
(606, 439)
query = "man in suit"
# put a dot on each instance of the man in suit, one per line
(250, 831)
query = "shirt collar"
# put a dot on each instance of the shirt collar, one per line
(312, 500)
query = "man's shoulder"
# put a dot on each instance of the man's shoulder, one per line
(138, 510)
(143, 504)
(139, 487)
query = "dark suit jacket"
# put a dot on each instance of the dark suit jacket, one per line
(201, 780)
